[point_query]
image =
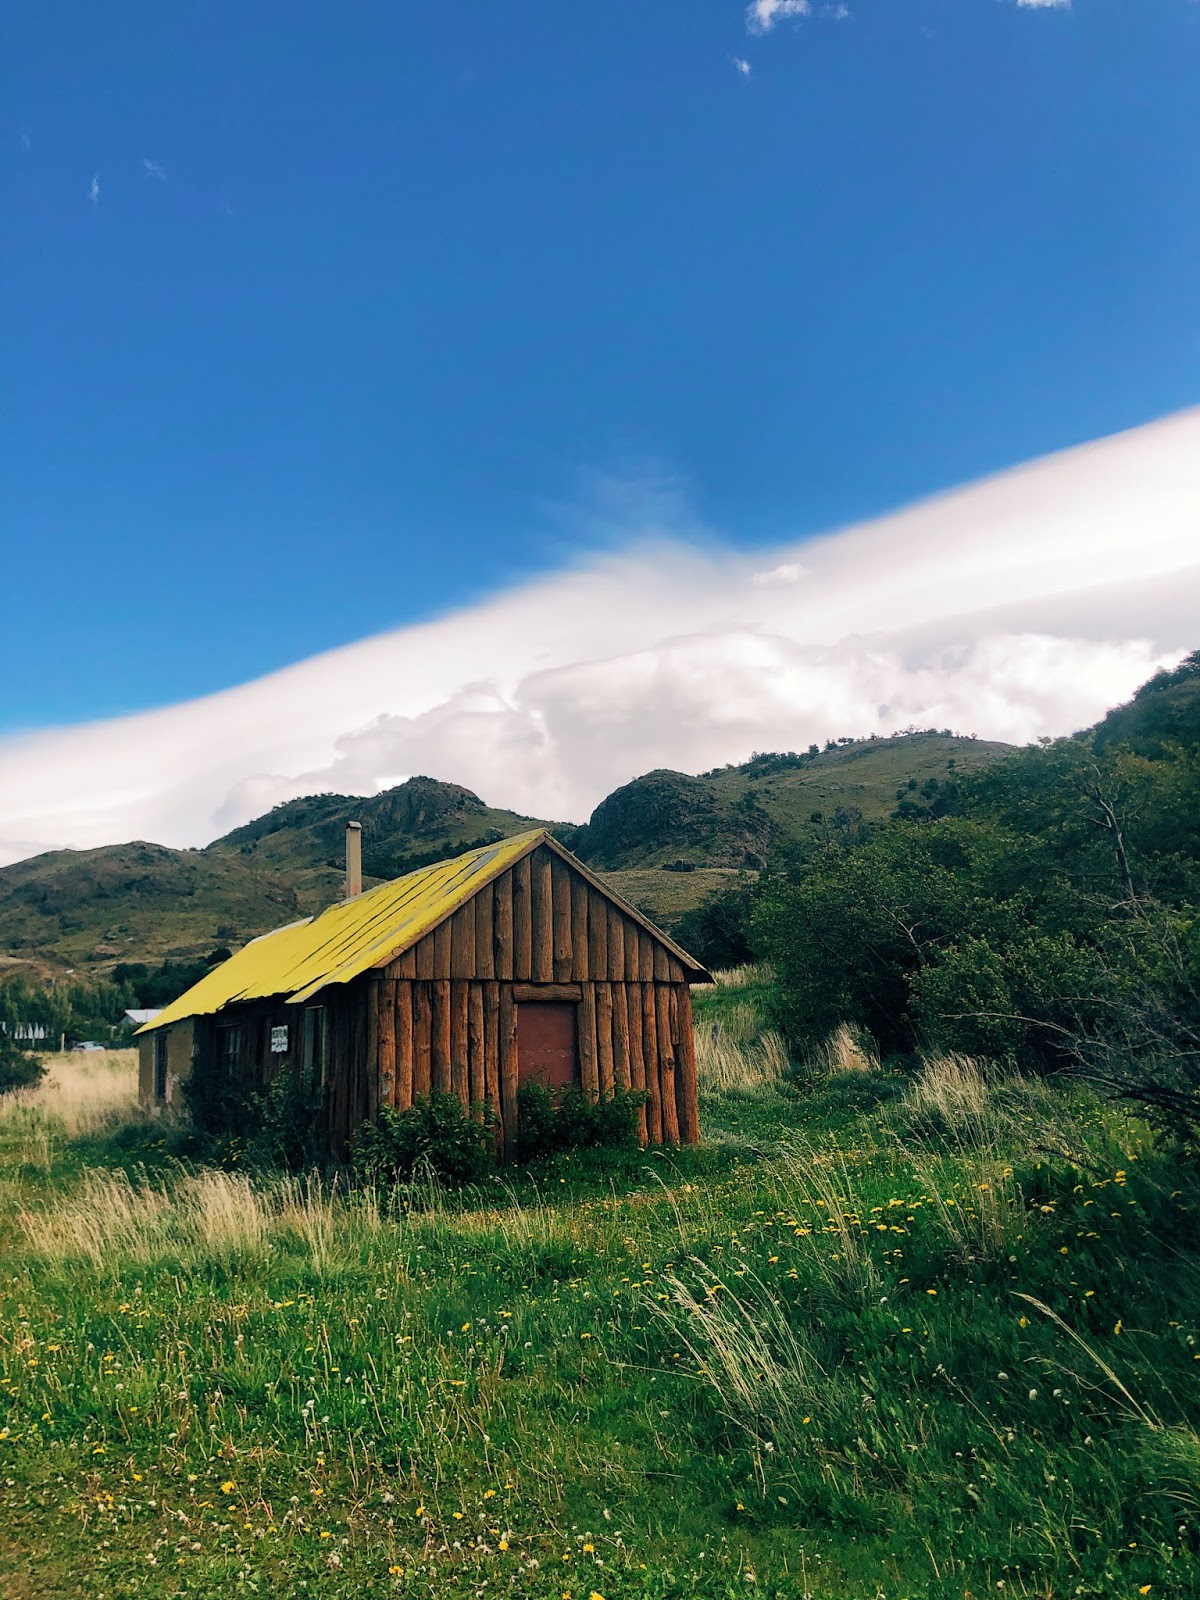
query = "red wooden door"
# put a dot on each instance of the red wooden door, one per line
(547, 1046)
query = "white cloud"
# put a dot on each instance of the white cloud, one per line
(94, 189)
(741, 65)
(1019, 606)
(763, 15)
(153, 170)
(1044, 5)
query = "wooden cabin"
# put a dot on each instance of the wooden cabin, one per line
(508, 965)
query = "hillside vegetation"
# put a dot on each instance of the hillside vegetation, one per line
(143, 902)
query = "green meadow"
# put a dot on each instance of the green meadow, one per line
(882, 1335)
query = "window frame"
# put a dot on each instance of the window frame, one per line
(314, 1046)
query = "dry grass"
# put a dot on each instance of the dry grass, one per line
(109, 1217)
(83, 1092)
(728, 1062)
(746, 977)
(847, 1049)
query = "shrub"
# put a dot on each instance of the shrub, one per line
(18, 1068)
(435, 1133)
(576, 1122)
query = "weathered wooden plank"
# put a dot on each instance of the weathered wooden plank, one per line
(686, 1088)
(385, 1075)
(485, 905)
(632, 952)
(522, 877)
(502, 927)
(645, 956)
(662, 971)
(476, 1060)
(441, 950)
(460, 1082)
(620, 1038)
(371, 1014)
(422, 1040)
(542, 915)
(589, 1067)
(580, 894)
(462, 942)
(405, 965)
(604, 1038)
(491, 1052)
(547, 991)
(616, 945)
(637, 1061)
(424, 953)
(441, 1082)
(675, 968)
(402, 1093)
(666, 1063)
(597, 935)
(654, 1125)
(560, 892)
(508, 1070)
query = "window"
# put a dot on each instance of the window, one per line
(160, 1066)
(314, 1057)
(229, 1048)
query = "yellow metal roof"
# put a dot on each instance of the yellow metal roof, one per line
(348, 938)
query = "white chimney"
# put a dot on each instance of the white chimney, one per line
(353, 859)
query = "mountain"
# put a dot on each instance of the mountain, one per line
(1164, 711)
(666, 840)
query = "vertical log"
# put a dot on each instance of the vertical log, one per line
(491, 1054)
(542, 916)
(402, 1093)
(675, 968)
(459, 1080)
(560, 890)
(662, 971)
(405, 965)
(522, 876)
(485, 903)
(666, 1064)
(508, 1069)
(476, 1047)
(654, 1126)
(424, 955)
(580, 893)
(441, 950)
(385, 995)
(637, 1061)
(616, 945)
(462, 942)
(422, 1040)
(604, 1038)
(502, 927)
(686, 1088)
(371, 1013)
(645, 956)
(597, 934)
(589, 1068)
(620, 1034)
(440, 1081)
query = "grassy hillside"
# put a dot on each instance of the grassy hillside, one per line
(144, 901)
(891, 1337)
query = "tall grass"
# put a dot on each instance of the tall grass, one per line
(83, 1092)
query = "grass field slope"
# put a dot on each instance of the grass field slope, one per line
(906, 1338)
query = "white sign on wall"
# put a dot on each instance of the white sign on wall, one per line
(279, 1041)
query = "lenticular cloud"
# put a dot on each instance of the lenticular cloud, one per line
(1020, 606)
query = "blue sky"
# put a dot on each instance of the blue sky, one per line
(322, 320)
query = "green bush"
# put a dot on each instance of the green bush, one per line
(576, 1122)
(436, 1132)
(18, 1068)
